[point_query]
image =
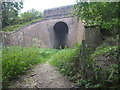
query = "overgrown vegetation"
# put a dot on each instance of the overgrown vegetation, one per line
(106, 15)
(10, 11)
(95, 74)
(99, 68)
(65, 61)
(16, 60)
(15, 27)
(13, 23)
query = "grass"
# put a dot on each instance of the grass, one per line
(66, 60)
(0, 68)
(17, 60)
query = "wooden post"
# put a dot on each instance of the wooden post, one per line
(118, 57)
(84, 58)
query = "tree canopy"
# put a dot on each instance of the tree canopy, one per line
(104, 14)
(10, 11)
(31, 14)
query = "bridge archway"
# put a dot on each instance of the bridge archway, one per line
(61, 31)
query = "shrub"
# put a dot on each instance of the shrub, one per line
(70, 63)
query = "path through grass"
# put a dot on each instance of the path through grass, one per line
(17, 60)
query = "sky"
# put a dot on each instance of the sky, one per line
(41, 5)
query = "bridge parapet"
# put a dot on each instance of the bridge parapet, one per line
(59, 12)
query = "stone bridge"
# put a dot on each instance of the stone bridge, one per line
(59, 29)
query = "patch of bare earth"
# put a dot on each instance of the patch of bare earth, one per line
(43, 76)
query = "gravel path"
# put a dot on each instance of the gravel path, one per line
(43, 76)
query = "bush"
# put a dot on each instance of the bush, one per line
(70, 63)
(12, 28)
(104, 49)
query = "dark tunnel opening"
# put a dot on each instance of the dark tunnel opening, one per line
(61, 31)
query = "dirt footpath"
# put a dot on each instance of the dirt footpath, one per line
(43, 76)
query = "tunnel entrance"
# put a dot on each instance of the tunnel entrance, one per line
(61, 31)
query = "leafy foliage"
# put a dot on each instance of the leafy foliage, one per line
(65, 61)
(20, 24)
(105, 74)
(104, 49)
(10, 12)
(16, 60)
(12, 20)
(69, 62)
(104, 14)
(31, 15)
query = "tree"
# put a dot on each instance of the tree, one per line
(10, 11)
(31, 14)
(104, 14)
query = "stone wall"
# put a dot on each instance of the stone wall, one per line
(0, 37)
(42, 34)
(93, 36)
(58, 12)
(5, 38)
(33, 35)
(0, 40)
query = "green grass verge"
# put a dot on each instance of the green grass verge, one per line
(66, 60)
(0, 68)
(17, 60)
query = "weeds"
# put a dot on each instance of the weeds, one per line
(17, 60)
(65, 61)
(69, 62)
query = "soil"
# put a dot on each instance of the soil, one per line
(43, 76)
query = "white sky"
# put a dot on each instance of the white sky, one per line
(45, 4)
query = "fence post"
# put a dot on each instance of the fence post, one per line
(118, 56)
(84, 58)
